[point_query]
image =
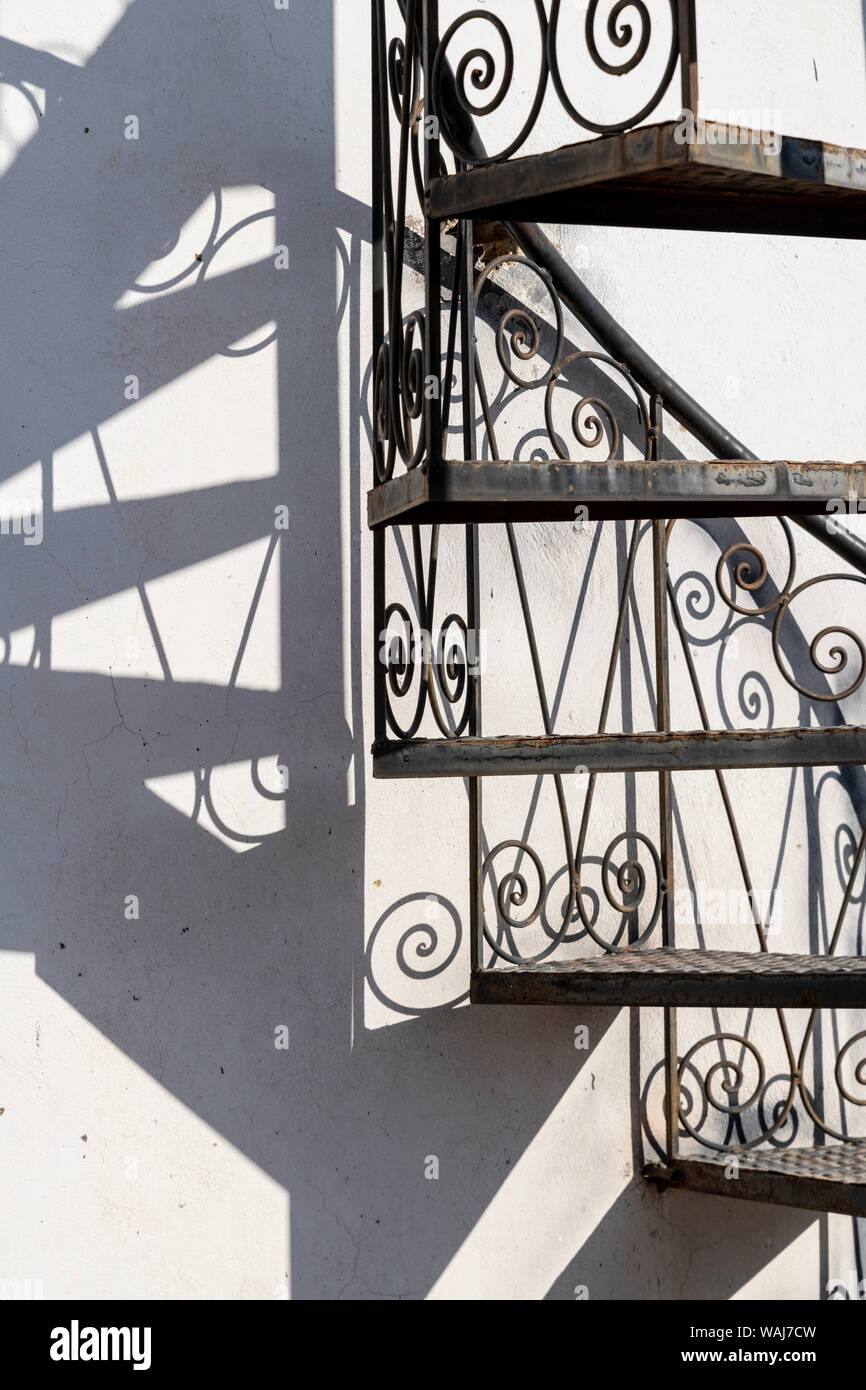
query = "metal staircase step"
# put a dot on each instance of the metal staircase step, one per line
(828, 1177)
(644, 752)
(457, 490)
(646, 178)
(685, 978)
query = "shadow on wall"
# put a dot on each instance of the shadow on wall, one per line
(228, 945)
(631, 1248)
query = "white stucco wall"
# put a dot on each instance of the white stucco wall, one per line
(153, 1140)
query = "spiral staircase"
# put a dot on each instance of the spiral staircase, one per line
(431, 388)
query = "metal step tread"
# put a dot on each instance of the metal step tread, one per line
(688, 978)
(646, 177)
(479, 490)
(689, 751)
(826, 1177)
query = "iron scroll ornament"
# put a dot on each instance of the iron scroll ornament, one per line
(750, 575)
(715, 1088)
(443, 669)
(480, 86)
(519, 333)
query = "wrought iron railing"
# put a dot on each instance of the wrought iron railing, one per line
(464, 330)
(737, 1093)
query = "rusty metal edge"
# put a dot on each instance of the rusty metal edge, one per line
(642, 752)
(721, 487)
(589, 167)
(679, 986)
(779, 1189)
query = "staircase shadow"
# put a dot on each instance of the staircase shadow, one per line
(659, 1241)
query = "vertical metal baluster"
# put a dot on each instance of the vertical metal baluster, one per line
(378, 236)
(688, 31)
(467, 353)
(432, 250)
(473, 595)
(663, 725)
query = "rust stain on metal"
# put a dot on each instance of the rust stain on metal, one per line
(743, 477)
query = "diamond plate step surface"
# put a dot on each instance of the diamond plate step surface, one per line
(828, 1177)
